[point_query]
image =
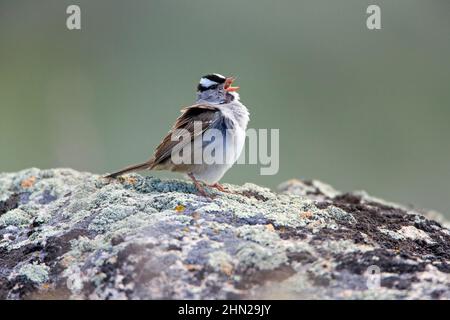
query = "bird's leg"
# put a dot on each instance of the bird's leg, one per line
(199, 186)
(220, 187)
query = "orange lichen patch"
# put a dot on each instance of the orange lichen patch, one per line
(131, 180)
(193, 267)
(180, 208)
(45, 286)
(270, 227)
(306, 215)
(227, 269)
(28, 182)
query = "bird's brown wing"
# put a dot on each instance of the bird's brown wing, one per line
(204, 113)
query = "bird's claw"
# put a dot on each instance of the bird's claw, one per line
(221, 188)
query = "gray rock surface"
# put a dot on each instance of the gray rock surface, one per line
(71, 235)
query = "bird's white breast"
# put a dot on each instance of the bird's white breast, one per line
(238, 115)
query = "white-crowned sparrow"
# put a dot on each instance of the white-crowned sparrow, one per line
(217, 107)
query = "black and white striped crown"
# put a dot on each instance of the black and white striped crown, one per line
(210, 81)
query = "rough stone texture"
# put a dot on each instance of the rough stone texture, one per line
(66, 234)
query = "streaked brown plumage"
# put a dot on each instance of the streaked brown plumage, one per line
(161, 159)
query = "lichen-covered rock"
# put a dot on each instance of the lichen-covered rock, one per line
(66, 234)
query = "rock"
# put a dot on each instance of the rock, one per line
(66, 234)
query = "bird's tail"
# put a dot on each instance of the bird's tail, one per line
(136, 167)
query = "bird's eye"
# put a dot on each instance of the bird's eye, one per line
(213, 87)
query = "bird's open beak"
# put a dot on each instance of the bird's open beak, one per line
(228, 86)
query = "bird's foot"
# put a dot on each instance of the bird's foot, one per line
(200, 189)
(221, 188)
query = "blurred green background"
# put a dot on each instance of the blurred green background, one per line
(356, 108)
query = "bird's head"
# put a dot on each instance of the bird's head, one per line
(216, 89)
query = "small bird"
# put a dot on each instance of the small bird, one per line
(217, 107)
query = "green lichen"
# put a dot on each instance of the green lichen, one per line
(221, 261)
(340, 215)
(106, 218)
(262, 249)
(35, 272)
(16, 217)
